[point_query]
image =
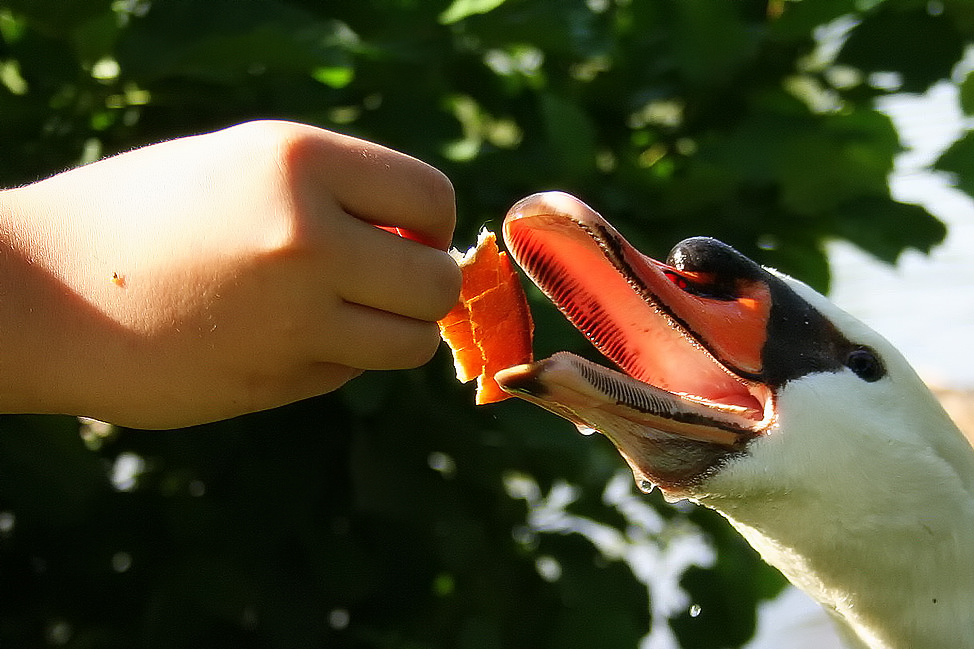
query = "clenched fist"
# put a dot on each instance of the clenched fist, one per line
(214, 275)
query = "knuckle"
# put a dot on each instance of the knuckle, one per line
(442, 199)
(440, 192)
(438, 199)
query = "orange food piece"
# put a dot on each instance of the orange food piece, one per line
(490, 328)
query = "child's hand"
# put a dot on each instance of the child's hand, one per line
(216, 275)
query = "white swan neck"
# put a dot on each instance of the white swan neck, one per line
(870, 514)
(886, 597)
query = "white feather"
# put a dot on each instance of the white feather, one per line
(862, 494)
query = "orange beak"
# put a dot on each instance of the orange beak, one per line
(689, 340)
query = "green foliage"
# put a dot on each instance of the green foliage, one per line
(378, 516)
(924, 45)
(958, 159)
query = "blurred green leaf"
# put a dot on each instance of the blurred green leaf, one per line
(887, 229)
(798, 18)
(967, 94)
(804, 259)
(570, 135)
(710, 41)
(851, 157)
(907, 38)
(194, 40)
(58, 17)
(958, 160)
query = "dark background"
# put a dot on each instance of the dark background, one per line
(381, 515)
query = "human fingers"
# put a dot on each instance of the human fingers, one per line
(378, 340)
(386, 272)
(379, 185)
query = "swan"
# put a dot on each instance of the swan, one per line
(744, 390)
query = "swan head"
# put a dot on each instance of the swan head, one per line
(733, 381)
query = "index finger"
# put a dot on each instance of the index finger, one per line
(381, 186)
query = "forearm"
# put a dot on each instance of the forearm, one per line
(32, 315)
(118, 304)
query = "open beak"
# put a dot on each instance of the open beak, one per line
(688, 336)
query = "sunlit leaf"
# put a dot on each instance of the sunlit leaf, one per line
(461, 9)
(335, 77)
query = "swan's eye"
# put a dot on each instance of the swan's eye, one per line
(865, 364)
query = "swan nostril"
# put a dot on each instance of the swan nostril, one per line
(703, 285)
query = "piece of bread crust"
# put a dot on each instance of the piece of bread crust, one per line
(490, 328)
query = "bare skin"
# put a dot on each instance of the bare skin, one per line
(215, 275)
